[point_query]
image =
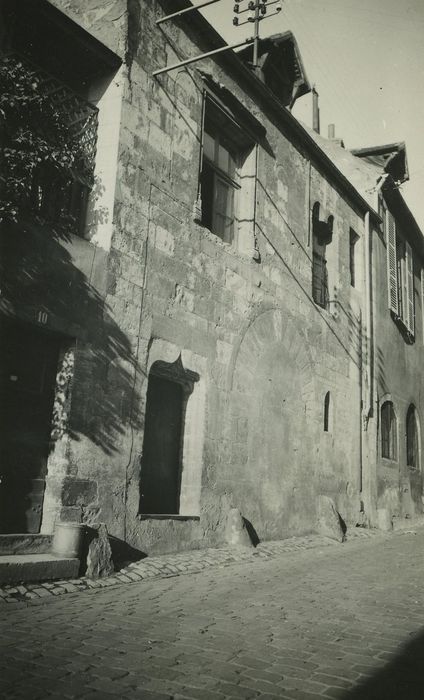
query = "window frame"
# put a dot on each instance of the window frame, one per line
(322, 236)
(238, 142)
(327, 412)
(400, 273)
(388, 432)
(412, 441)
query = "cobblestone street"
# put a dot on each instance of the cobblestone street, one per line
(342, 621)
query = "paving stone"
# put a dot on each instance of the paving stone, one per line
(302, 625)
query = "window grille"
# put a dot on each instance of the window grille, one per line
(55, 180)
(71, 110)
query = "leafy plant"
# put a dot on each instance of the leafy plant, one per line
(40, 148)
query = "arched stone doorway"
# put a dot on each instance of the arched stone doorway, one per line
(273, 399)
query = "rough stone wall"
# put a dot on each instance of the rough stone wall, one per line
(265, 353)
(399, 378)
(269, 353)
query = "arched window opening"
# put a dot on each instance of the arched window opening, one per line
(412, 446)
(388, 431)
(327, 407)
(168, 391)
(322, 232)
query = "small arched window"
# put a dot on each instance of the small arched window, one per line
(388, 431)
(412, 447)
(327, 408)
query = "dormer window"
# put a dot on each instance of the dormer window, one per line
(280, 67)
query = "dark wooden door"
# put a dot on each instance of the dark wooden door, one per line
(160, 469)
(28, 367)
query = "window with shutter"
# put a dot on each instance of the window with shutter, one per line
(422, 300)
(400, 275)
(392, 270)
(409, 288)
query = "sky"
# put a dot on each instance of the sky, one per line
(366, 59)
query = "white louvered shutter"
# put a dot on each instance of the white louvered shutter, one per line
(409, 311)
(422, 302)
(391, 263)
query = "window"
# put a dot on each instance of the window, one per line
(168, 391)
(412, 446)
(327, 406)
(388, 431)
(322, 232)
(353, 239)
(225, 147)
(68, 108)
(60, 127)
(400, 275)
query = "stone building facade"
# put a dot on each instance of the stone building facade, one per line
(214, 332)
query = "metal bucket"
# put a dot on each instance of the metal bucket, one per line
(68, 540)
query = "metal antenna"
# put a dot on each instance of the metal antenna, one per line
(257, 11)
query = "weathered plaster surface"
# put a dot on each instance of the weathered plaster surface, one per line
(162, 286)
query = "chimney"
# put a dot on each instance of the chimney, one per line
(332, 135)
(315, 110)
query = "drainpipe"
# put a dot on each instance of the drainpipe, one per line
(368, 389)
(367, 407)
(365, 321)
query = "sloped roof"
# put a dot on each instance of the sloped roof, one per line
(361, 173)
(365, 167)
(280, 66)
(392, 156)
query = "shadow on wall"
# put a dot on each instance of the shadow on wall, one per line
(41, 270)
(401, 679)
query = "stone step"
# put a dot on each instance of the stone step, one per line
(25, 544)
(26, 568)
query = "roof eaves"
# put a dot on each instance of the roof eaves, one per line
(196, 20)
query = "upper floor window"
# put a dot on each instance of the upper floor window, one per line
(55, 80)
(49, 144)
(225, 148)
(388, 431)
(322, 233)
(400, 273)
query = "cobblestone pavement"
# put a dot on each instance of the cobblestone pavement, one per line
(171, 565)
(342, 621)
